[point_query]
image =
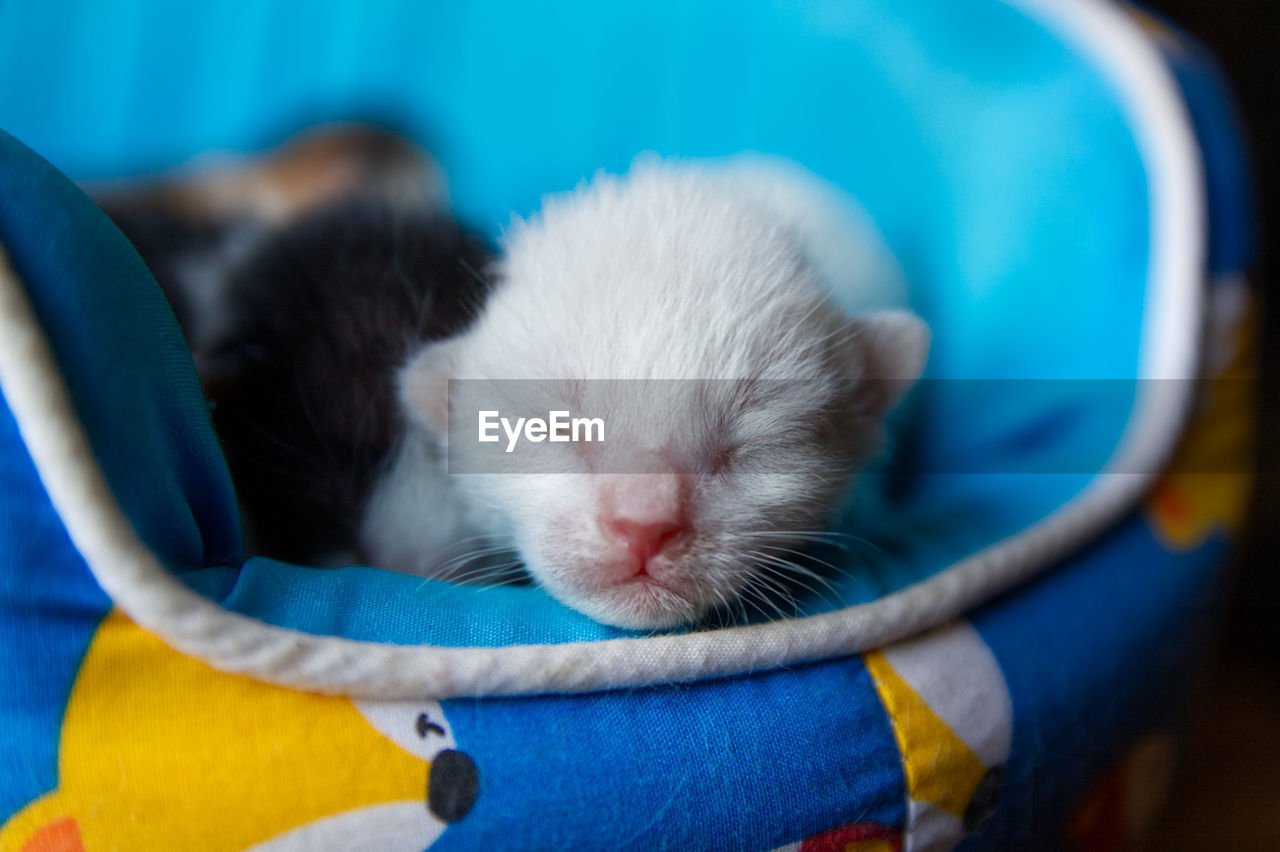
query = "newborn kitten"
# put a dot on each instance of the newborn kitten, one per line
(304, 388)
(720, 275)
(195, 225)
(302, 281)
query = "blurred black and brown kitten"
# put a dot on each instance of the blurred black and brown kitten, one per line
(303, 279)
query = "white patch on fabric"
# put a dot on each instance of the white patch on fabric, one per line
(953, 670)
(418, 727)
(393, 827)
(931, 829)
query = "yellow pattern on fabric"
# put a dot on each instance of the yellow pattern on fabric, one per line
(939, 767)
(159, 751)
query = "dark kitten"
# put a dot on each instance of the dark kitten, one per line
(303, 279)
(325, 312)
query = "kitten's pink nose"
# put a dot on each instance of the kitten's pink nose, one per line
(644, 541)
(644, 513)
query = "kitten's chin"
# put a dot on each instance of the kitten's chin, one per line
(638, 603)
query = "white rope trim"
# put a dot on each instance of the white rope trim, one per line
(142, 587)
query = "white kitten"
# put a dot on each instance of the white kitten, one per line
(722, 275)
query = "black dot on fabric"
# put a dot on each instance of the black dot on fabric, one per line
(452, 785)
(985, 798)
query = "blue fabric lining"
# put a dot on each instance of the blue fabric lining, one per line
(995, 159)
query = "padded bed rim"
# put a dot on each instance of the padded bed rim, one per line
(145, 590)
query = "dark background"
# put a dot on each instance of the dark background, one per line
(1226, 792)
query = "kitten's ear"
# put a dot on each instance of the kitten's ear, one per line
(424, 384)
(889, 350)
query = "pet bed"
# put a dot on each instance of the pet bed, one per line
(1062, 184)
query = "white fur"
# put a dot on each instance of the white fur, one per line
(679, 270)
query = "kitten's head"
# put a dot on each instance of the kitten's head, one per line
(693, 493)
(736, 400)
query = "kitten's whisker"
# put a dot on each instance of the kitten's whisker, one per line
(791, 572)
(473, 272)
(721, 609)
(482, 536)
(473, 571)
(815, 536)
(800, 553)
(754, 594)
(494, 575)
(468, 556)
(457, 563)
